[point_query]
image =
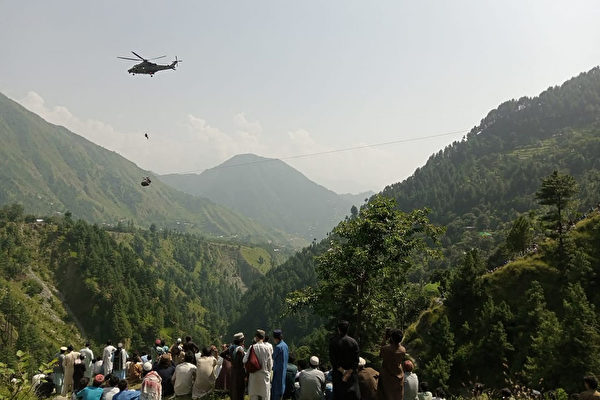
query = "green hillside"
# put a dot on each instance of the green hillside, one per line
(51, 170)
(270, 192)
(60, 279)
(477, 184)
(475, 188)
(532, 321)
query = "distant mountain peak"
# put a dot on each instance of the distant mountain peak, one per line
(245, 158)
(269, 191)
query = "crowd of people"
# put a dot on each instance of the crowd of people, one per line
(265, 370)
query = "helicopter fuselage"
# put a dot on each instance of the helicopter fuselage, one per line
(150, 68)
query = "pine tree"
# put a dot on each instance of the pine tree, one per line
(542, 366)
(465, 293)
(520, 235)
(557, 190)
(580, 342)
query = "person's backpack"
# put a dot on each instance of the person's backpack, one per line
(252, 365)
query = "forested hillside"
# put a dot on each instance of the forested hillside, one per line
(50, 170)
(478, 184)
(131, 285)
(476, 188)
(533, 321)
(270, 192)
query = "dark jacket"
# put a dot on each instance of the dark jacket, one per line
(343, 353)
(166, 373)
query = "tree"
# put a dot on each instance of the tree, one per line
(557, 190)
(438, 371)
(520, 235)
(545, 333)
(581, 337)
(367, 257)
(465, 292)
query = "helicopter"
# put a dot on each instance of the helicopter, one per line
(147, 67)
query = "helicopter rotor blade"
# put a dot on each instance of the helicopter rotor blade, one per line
(138, 56)
(156, 58)
(128, 58)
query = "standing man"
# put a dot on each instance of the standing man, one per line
(343, 353)
(69, 365)
(177, 352)
(238, 374)
(259, 382)
(88, 361)
(391, 379)
(280, 360)
(190, 346)
(59, 370)
(120, 361)
(107, 360)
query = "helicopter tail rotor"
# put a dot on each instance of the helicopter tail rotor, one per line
(174, 63)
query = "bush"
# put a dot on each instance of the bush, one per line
(32, 287)
(15, 382)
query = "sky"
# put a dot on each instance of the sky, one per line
(287, 78)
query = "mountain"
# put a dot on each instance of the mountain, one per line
(474, 187)
(63, 281)
(495, 170)
(51, 170)
(270, 192)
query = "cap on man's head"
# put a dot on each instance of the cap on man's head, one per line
(147, 366)
(238, 336)
(63, 348)
(361, 362)
(260, 334)
(179, 340)
(314, 361)
(120, 345)
(99, 378)
(277, 333)
(157, 342)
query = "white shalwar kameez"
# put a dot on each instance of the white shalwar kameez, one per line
(107, 360)
(259, 382)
